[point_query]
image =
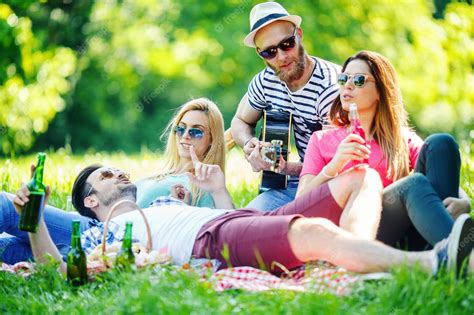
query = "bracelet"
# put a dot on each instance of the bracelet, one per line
(246, 141)
(323, 171)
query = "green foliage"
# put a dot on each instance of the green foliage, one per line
(34, 79)
(109, 74)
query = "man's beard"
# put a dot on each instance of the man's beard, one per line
(128, 191)
(297, 72)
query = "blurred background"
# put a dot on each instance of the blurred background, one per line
(107, 75)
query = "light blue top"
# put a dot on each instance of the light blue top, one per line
(148, 189)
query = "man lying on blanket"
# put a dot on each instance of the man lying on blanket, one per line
(300, 231)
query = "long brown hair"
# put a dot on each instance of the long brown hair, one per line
(216, 152)
(390, 117)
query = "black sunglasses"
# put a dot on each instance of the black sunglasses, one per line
(359, 79)
(194, 133)
(285, 45)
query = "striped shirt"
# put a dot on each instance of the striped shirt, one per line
(309, 105)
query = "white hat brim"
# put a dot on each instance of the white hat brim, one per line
(249, 39)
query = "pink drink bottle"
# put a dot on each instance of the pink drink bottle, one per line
(356, 129)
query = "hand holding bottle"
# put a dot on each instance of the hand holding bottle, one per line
(24, 197)
(32, 198)
(353, 147)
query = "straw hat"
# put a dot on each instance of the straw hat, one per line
(265, 13)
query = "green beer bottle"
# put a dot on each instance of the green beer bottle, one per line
(125, 257)
(76, 258)
(31, 211)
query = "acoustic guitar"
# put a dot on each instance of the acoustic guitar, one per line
(276, 126)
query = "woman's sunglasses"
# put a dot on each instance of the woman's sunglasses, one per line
(194, 133)
(285, 45)
(358, 79)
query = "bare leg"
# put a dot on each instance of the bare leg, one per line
(359, 192)
(318, 238)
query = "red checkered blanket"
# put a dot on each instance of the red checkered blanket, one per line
(22, 268)
(316, 277)
(313, 277)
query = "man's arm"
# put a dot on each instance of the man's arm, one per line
(244, 121)
(243, 132)
(291, 168)
(42, 244)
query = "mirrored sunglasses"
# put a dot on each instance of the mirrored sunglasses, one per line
(358, 79)
(194, 133)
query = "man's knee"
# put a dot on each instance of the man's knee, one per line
(314, 227)
(5, 203)
(3, 198)
(308, 236)
(364, 177)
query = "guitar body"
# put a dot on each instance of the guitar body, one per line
(276, 126)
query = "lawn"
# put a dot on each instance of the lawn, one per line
(181, 292)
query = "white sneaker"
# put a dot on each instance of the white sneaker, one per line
(453, 251)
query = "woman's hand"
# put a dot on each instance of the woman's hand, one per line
(180, 192)
(353, 147)
(207, 177)
(457, 206)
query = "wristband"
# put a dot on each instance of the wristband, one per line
(323, 171)
(246, 141)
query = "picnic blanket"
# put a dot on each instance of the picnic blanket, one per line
(314, 278)
(317, 277)
(22, 268)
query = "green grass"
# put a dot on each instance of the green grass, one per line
(179, 292)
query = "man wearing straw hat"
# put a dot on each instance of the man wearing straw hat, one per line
(291, 235)
(293, 81)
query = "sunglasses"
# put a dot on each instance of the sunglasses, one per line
(194, 133)
(285, 45)
(359, 79)
(107, 173)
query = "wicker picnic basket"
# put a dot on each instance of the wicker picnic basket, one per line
(102, 258)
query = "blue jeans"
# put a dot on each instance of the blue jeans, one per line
(272, 199)
(16, 246)
(413, 213)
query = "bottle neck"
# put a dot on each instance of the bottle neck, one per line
(36, 183)
(76, 235)
(76, 242)
(127, 238)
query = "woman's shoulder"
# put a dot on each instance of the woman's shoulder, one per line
(330, 132)
(161, 180)
(411, 136)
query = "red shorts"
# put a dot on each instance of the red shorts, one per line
(250, 237)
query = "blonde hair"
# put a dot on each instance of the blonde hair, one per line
(216, 152)
(390, 117)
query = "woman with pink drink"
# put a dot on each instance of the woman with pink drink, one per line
(421, 196)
